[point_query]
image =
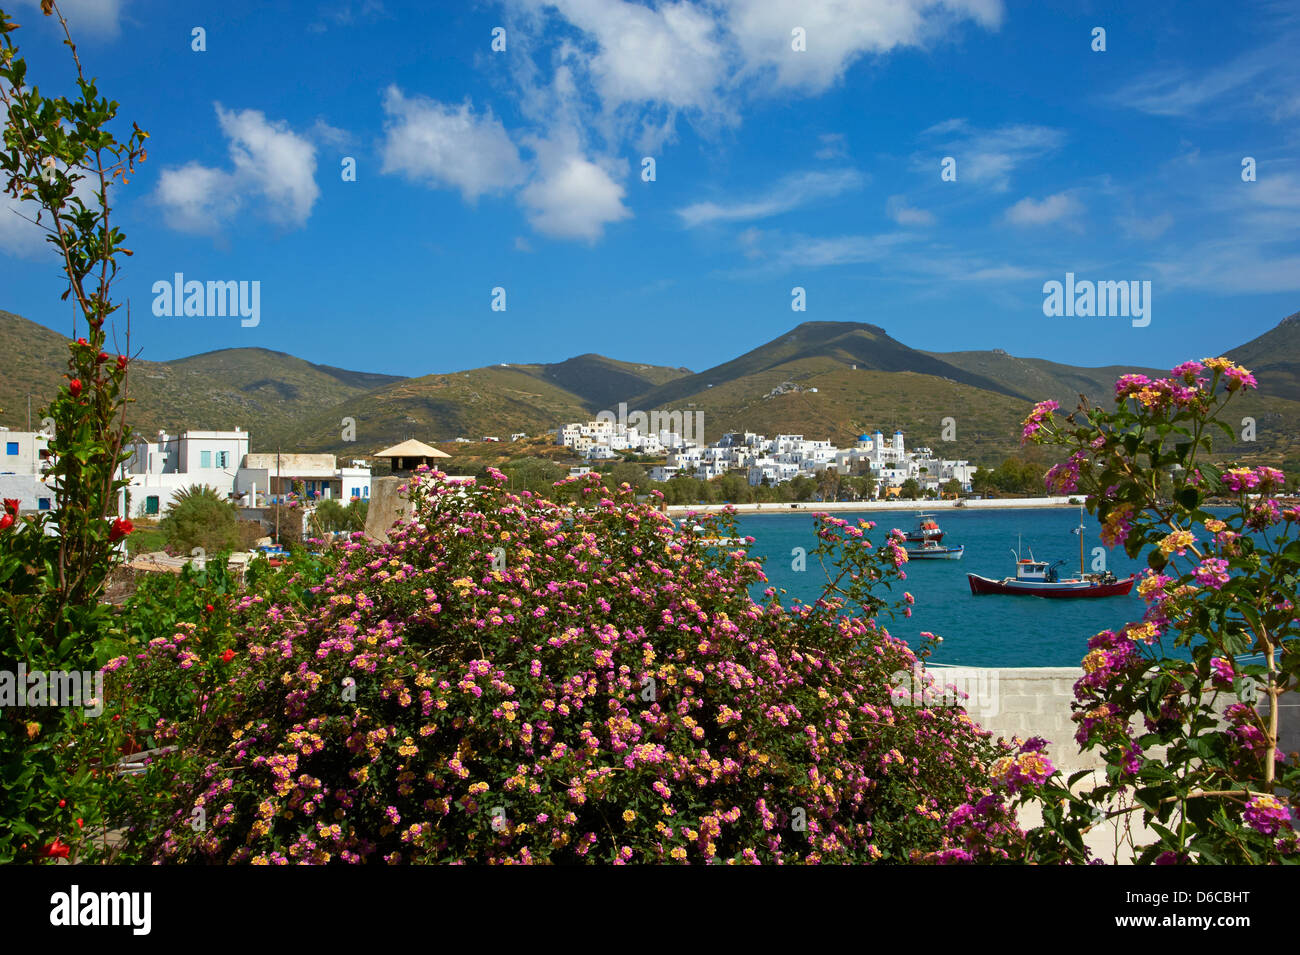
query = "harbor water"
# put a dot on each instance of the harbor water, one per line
(985, 631)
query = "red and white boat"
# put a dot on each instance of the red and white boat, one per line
(1036, 578)
(927, 529)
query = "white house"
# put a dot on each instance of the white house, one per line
(275, 473)
(24, 461)
(159, 470)
(23, 452)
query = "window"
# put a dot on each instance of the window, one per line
(43, 504)
(223, 459)
(367, 494)
(11, 447)
(205, 459)
(151, 504)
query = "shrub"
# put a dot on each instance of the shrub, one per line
(1184, 742)
(199, 517)
(612, 693)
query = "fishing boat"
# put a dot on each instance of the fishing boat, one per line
(1037, 578)
(933, 550)
(927, 529)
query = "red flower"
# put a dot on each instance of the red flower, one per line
(75, 387)
(80, 824)
(102, 357)
(227, 655)
(208, 607)
(55, 849)
(62, 803)
(5, 521)
(11, 505)
(121, 527)
(82, 341)
(121, 362)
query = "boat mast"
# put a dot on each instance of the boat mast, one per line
(1080, 533)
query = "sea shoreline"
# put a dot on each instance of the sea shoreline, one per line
(804, 507)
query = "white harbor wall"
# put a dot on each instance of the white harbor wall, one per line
(893, 504)
(1036, 701)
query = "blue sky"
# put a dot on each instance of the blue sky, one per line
(775, 168)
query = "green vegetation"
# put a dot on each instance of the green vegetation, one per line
(332, 516)
(200, 517)
(147, 538)
(1015, 476)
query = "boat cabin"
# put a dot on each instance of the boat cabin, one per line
(1035, 570)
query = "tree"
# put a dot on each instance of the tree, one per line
(911, 489)
(828, 484)
(866, 484)
(734, 488)
(952, 487)
(58, 163)
(802, 488)
(331, 516)
(626, 473)
(200, 517)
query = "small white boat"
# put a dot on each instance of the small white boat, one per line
(933, 550)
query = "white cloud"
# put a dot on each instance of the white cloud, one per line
(789, 193)
(348, 13)
(448, 146)
(704, 57)
(274, 161)
(1229, 267)
(272, 164)
(197, 198)
(896, 208)
(1263, 79)
(1146, 227)
(571, 197)
(86, 17)
(670, 55)
(804, 251)
(998, 273)
(327, 135)
(988, 157)
(841, 31)
(1276, 190)
(833, 146)
(1040, 212)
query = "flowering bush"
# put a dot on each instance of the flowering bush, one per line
(1181, 734)
(513, 680)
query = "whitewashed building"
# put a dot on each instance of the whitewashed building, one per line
(159, 470)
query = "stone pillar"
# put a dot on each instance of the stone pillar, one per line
(387, 507)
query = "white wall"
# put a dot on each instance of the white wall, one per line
(28, 489)
(25, 457)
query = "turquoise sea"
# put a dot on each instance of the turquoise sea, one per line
(977, 631)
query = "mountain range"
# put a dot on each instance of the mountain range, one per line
(830, 380)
